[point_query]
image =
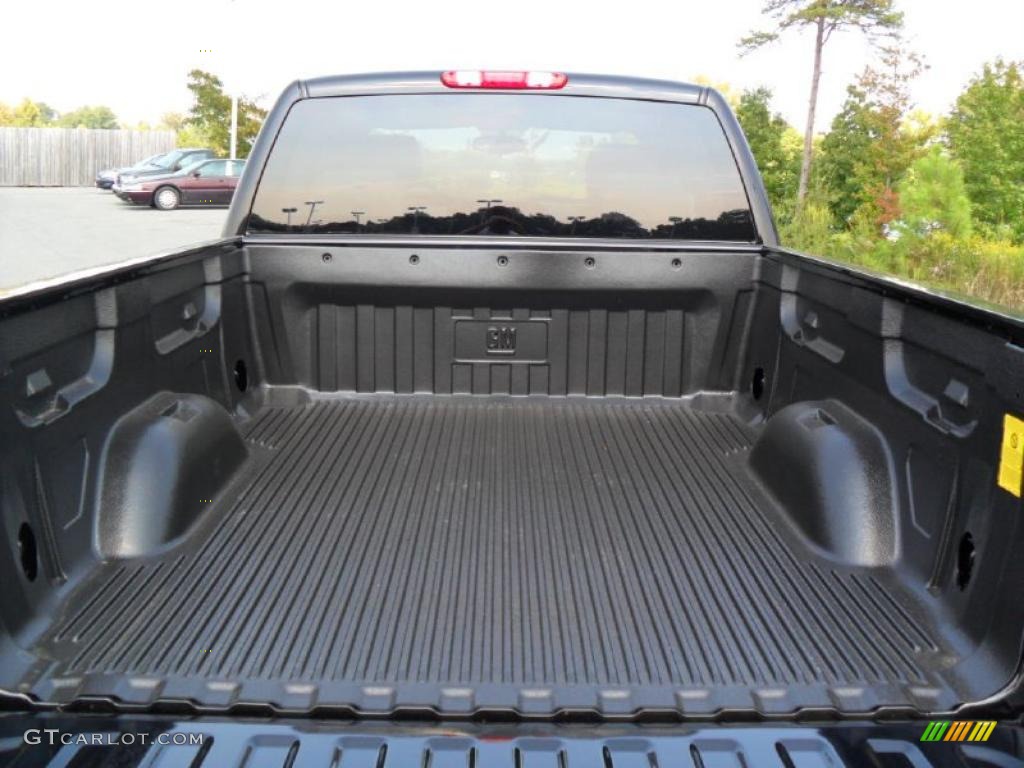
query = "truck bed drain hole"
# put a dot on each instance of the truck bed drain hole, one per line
(757, 383)
(29, 553)
(241, 376)
(965, 560)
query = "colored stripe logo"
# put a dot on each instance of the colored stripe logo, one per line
(958, 730)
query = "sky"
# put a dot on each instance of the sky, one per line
(134, 56)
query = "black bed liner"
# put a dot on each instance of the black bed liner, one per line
(464, 554)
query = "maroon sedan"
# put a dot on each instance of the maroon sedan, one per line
(209, 182)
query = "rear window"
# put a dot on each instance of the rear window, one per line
(166, 161)
(502, 164)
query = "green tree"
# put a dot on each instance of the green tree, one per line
(842, 151)
(30, 114)
(188, 135)
(934, 198)
(171, 121)
(874, 18)
(770, 138)
(210, 115)
(89, 117)
(27, 114)
(191, 136)
(47, 113)
(872, 143)
(986, 134)
(810, 228)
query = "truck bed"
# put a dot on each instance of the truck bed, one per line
(592, 448)
(455, 553)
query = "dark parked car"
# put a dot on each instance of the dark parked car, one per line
(209, 182)
(172, 162)
(106, 178)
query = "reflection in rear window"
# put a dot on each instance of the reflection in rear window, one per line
(502, 164)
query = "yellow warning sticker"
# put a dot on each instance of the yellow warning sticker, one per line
(1011, 458)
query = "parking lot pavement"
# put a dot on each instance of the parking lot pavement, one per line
(46, 232)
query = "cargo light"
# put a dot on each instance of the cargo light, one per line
(483, 78)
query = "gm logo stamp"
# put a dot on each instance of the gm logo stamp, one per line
(501, 340)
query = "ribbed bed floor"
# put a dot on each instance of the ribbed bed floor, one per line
(461, 553)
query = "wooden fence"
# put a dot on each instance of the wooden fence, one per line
(70, 157)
